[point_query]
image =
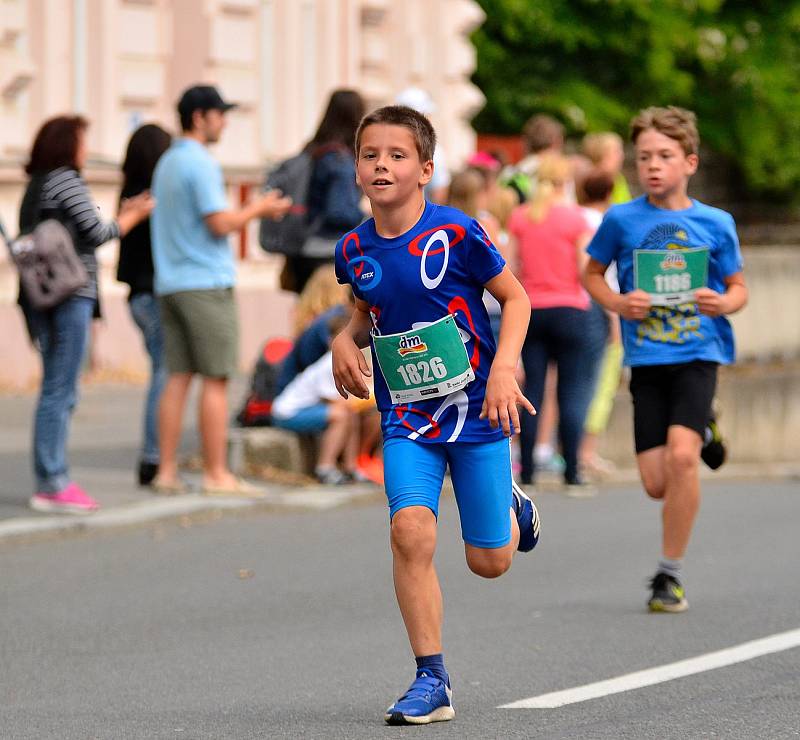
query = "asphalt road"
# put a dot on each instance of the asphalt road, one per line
(276, 624)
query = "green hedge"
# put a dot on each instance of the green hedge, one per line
(594, 63)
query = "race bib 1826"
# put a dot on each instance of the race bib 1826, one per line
(425, 362)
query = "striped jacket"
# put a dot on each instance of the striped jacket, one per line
(62, 194)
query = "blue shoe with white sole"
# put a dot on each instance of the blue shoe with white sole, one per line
(428, 699)
(527, 518)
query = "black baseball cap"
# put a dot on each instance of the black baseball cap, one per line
(202, 97)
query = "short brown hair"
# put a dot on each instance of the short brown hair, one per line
(677, 123)
(542, 132)
(56, 144)
(401, 115)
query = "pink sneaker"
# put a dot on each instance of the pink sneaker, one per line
(71, 500)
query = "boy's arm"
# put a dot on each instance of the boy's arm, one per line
(711, 303)
(633, 306)
(349, 364)
(502, 392)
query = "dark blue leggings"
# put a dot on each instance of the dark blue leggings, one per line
(569, 337)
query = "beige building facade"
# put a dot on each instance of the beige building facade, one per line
(124, 62)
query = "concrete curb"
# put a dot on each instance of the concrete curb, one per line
(157, 509)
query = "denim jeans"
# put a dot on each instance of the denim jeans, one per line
(62, 334)
(146, 315)
(596, 339)
(558, 334)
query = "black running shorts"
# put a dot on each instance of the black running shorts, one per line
(664, 395)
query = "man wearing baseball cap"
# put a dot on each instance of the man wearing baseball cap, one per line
(194, 278)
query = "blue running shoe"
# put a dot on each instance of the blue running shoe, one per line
(428, 699)
(527, 518)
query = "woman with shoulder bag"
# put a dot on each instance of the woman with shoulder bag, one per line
(333, 196)
(57, 191)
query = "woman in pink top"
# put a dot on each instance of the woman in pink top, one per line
(548, 238)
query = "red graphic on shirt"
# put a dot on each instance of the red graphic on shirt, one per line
(455, 234)
(459, 304)
(353, 237)
(402, 412)
(374, 315)
(486, 240)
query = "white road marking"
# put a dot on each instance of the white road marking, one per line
(708, 662)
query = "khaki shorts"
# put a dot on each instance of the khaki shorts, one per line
(201, 332)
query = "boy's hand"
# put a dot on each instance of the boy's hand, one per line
(500, 403)
(709, 302)
(634, 306)
(349, 367)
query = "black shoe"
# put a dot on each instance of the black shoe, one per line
(714, 452)
(668, 594)
(147, 472)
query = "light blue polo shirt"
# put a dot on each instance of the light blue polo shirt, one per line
(187, 187)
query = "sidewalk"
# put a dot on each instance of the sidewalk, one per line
(104, 445)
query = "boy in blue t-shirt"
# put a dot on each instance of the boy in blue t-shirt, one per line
(446, 393)
(680, 273)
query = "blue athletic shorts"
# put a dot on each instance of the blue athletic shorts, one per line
(310, 420)
(481, 475)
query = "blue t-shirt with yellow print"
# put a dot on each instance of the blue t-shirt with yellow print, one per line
(671, 334)
(438, 267)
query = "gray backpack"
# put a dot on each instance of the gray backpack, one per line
(50, 270)
(293, 178)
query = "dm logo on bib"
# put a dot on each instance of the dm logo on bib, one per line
(411, 346)
(365, 271)
(673, 261)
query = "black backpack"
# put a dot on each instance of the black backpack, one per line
(293, 178)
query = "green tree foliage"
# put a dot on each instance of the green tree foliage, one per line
(594, 63)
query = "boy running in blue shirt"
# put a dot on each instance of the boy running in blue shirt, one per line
(446, 393)
(680, 273)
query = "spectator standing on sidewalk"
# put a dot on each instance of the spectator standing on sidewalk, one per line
(542, 135)
(606, 152)
(334, 199)
(550, 234)
(135, 268)
(594, 195)
(194, 279)
(57, 190)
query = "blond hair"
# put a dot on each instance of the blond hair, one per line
(676, 123)
(597, 146)
(502, 202)
(321, 292)
(465, 187)
(553, 173)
